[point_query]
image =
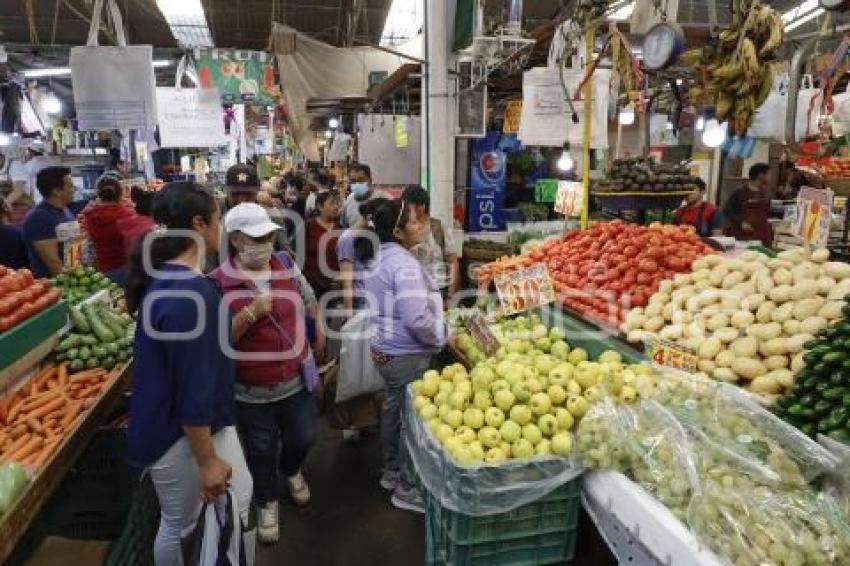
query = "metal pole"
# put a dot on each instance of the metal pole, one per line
(440, 139)
(588, 112)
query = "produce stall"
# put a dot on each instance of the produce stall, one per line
(64, 371)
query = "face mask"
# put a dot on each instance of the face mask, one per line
(359, 189)
(256, 256)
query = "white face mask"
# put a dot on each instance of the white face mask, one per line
(256, 256)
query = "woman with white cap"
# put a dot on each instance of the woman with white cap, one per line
(275, 368)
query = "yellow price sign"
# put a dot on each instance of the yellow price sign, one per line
(814, 214)
(525, 289)
(513, 113)
(667, 354)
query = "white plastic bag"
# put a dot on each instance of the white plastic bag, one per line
(809, 100)
(217, 537)
(841, 113)
(769, 118)
(114, 87)
(357, 372)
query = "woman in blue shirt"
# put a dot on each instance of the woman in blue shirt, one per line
(182, 409)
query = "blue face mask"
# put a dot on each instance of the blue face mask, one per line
(359, 189)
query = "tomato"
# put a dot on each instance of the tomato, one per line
(6, 322)
(648, 265)
(41, 303)
(26, 275)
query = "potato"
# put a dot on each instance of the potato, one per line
(782, 276)
(820, 255)
(695, 329)
(782, 313)
(692, 304)
(764, 283)
(804, 308)
(665, 286)
(748, 368)
(653, 310)
(749, 256)
(709, 348)
(682, 279)
(794, 255)
(753, 301)
(702, 285)
(717, 321)
(764, 384)
(701, 274)
(730, 304)
(742, 319)
(776, 361)
(635, 319)
(681, 317)
(668, 310)
(813, 324)
(745, 289)
(804, 289)
(635, 336)
(771, 330)
(711, 310)
(691, 344)
(804, 271)
(724, 374)
(726, 335)
(780, 294)
(672, 332)
(659, 298)
(713, 259)
(718, 274)
(790, 327)
(778, 263)
(707, 366)
(836, 269)
(825, 284)
(831, 310)
(653, 323)
(733, 279)
(749, 268)
(784, 377)
(725, 358)
(794, 344)
(797, 363)
(764, 311)
(699, 264)
(745, 347)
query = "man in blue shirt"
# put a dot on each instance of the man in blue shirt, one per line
(43, 247)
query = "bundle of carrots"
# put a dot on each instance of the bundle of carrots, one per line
(37, 417)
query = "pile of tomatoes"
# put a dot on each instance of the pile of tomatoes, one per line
(22, 296)
(611, 267)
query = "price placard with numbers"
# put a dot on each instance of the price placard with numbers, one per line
(481, 334)
(667, 354)
(525, 289)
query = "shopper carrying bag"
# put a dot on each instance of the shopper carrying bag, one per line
(114, 86)
(182, 409)
(218, 537)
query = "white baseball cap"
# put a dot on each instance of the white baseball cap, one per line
(249, 218)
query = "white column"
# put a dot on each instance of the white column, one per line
(438, 110)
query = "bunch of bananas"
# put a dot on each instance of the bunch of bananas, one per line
(734, 73)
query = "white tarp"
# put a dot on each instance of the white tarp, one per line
(310, 68)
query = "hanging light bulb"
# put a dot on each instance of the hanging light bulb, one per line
(700, 123)
(565, 162)
(51, 105)
(714, 133)
(627, 115)
(333, 123)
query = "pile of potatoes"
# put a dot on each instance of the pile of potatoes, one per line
(747, 317)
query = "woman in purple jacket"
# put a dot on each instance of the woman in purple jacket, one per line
(407, 316)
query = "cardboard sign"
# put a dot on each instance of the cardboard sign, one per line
(667, 354)
(190, 117)
(525, 289)
(72, 238)
(239, 75)
(513, 113)
(814, 214)
(570, 198)
(480, 331)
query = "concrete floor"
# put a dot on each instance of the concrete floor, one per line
(352, 523)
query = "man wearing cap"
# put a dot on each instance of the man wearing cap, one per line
(275, 368)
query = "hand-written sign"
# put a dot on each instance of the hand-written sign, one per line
(480, 331)
(665, 353)
(814, 214)
(190, 117)
(72, 238)
(524, 289)
(569, 199)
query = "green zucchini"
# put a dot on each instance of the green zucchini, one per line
(79, 320)
(100, 330)
(72, 341)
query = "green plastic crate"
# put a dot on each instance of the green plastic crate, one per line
(541, 532)
(23, 337)
(546, 190)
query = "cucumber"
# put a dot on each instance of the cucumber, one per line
(92, 363)
(72, 354)
(72, 341)
(114, 324)
(99, 352)
(833, 357)
(837, 378)
(85, 353)
(835, 393)
(100, 330)
(108, 362)
(111, 348)
(77, 365)
(89, 340)
(123, 356)
(79, 320)
(822, 407)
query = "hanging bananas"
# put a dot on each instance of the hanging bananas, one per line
(734, 73)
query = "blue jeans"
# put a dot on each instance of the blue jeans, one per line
(276, 438)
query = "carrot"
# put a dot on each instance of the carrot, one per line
(89, 391)
(39, 401)
(31, 445)
(63, 374)
(42, 456)
(14, 409)
(18, 430)
(52, 384)
(35, 425)
(71, 413)
(87, 375)
(47, 408)
(16, 445)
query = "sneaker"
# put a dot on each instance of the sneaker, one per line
(390, 479)
(268, 527)
(299, 490)
(409, 499)
(351, 435)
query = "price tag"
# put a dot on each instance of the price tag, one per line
(525, 289)
(72, 238)
(480, 331)
(667, 354)
(73, 253)
(513, 112)
(813, 217)
(568, 202)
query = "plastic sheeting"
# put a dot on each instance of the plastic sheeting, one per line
(483, 489)
(310, 68)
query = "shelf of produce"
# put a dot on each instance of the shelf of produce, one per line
(587, 335)
(646, 520)
(15, 522)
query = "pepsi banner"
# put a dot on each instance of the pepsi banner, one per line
(488, 174)
(486, 210)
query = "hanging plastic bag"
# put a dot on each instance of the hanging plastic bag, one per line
(357, 374)
(769, 118)
(809, 101)
(217, 539)
(13, 480)
(841, 113)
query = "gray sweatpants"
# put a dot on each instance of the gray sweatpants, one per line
(175, 478)
(397, 374)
